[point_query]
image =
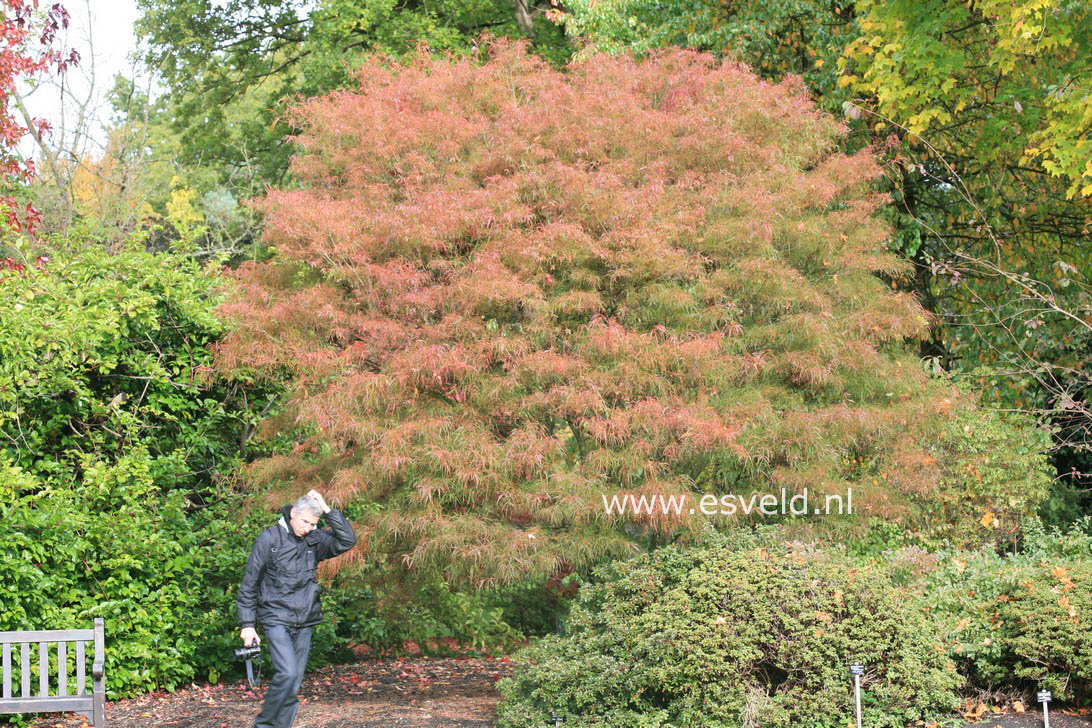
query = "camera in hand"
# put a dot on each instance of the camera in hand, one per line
(248, 653)
(253, 657)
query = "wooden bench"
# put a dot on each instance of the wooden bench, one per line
(92, 705)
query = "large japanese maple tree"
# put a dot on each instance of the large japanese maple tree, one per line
(506, 291)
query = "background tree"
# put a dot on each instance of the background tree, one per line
(506, 291)
(233, 67)
(25, 50)
(804, 37)
(991, 102)
(977, 112)
(112, 167)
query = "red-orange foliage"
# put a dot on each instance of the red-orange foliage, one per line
(506, 291)
(21, 28)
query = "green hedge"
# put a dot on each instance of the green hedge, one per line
(748, 629)
(735, 633)
(113, 449)
(111, 547)
(1018, 622)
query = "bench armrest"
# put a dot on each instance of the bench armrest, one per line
(97, 670)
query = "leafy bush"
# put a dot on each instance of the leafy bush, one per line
(102, 354)
(735, 633)
(104, 548)
(110, 444)
(1019, 621)
(375, 607)
(984, 475)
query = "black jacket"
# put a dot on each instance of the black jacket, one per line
(279, 585)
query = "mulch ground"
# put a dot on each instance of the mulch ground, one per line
(1034, 720)
(396, 693)
(415, 692)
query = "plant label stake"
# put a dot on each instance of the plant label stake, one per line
(856, 671)
(1044, 698)
(557, 720)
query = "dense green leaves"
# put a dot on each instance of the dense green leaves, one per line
(1005, 82)
(756, 630)
(803, 37)
(109, 547)
(103, 355)
(112, 441)
(738, 632)
(233, 67)
(1016, 620)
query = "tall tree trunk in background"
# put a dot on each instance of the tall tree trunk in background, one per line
(523, 15)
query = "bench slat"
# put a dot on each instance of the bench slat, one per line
(81, 677)
(100, 644)
(46, 705)
(43, 669)
(25, 669)
(62, 669)
(48, 635)
(7, 671)
(99, 671)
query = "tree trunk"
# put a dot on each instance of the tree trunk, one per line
(523, 15)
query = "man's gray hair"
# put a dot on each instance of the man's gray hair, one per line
(307, 504)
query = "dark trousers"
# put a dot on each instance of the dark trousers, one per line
(288, 647)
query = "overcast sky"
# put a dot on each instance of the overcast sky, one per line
(102, 32)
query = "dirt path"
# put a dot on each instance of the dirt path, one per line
(1034, 719)
(417, 693)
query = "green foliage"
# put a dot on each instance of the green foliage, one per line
(113, 441)
(104, 355)
(1019, 621)
(109, 547)
(378, 609)
(993, 475)
(737, 632)
(233, 67)
(1015, 72)
(803, 37)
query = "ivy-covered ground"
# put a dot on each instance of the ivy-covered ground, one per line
(393, 693)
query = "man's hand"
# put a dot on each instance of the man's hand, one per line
(321, 501)
(250, 637)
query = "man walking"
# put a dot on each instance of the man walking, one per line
(279, 590)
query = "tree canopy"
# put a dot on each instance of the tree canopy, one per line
(992, 100)
(980, 114)
(506, 291)
(233, 67)
(1013, 77)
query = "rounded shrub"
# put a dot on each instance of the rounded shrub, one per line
(735, 636)
(1019, 622)
(1048, 615)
